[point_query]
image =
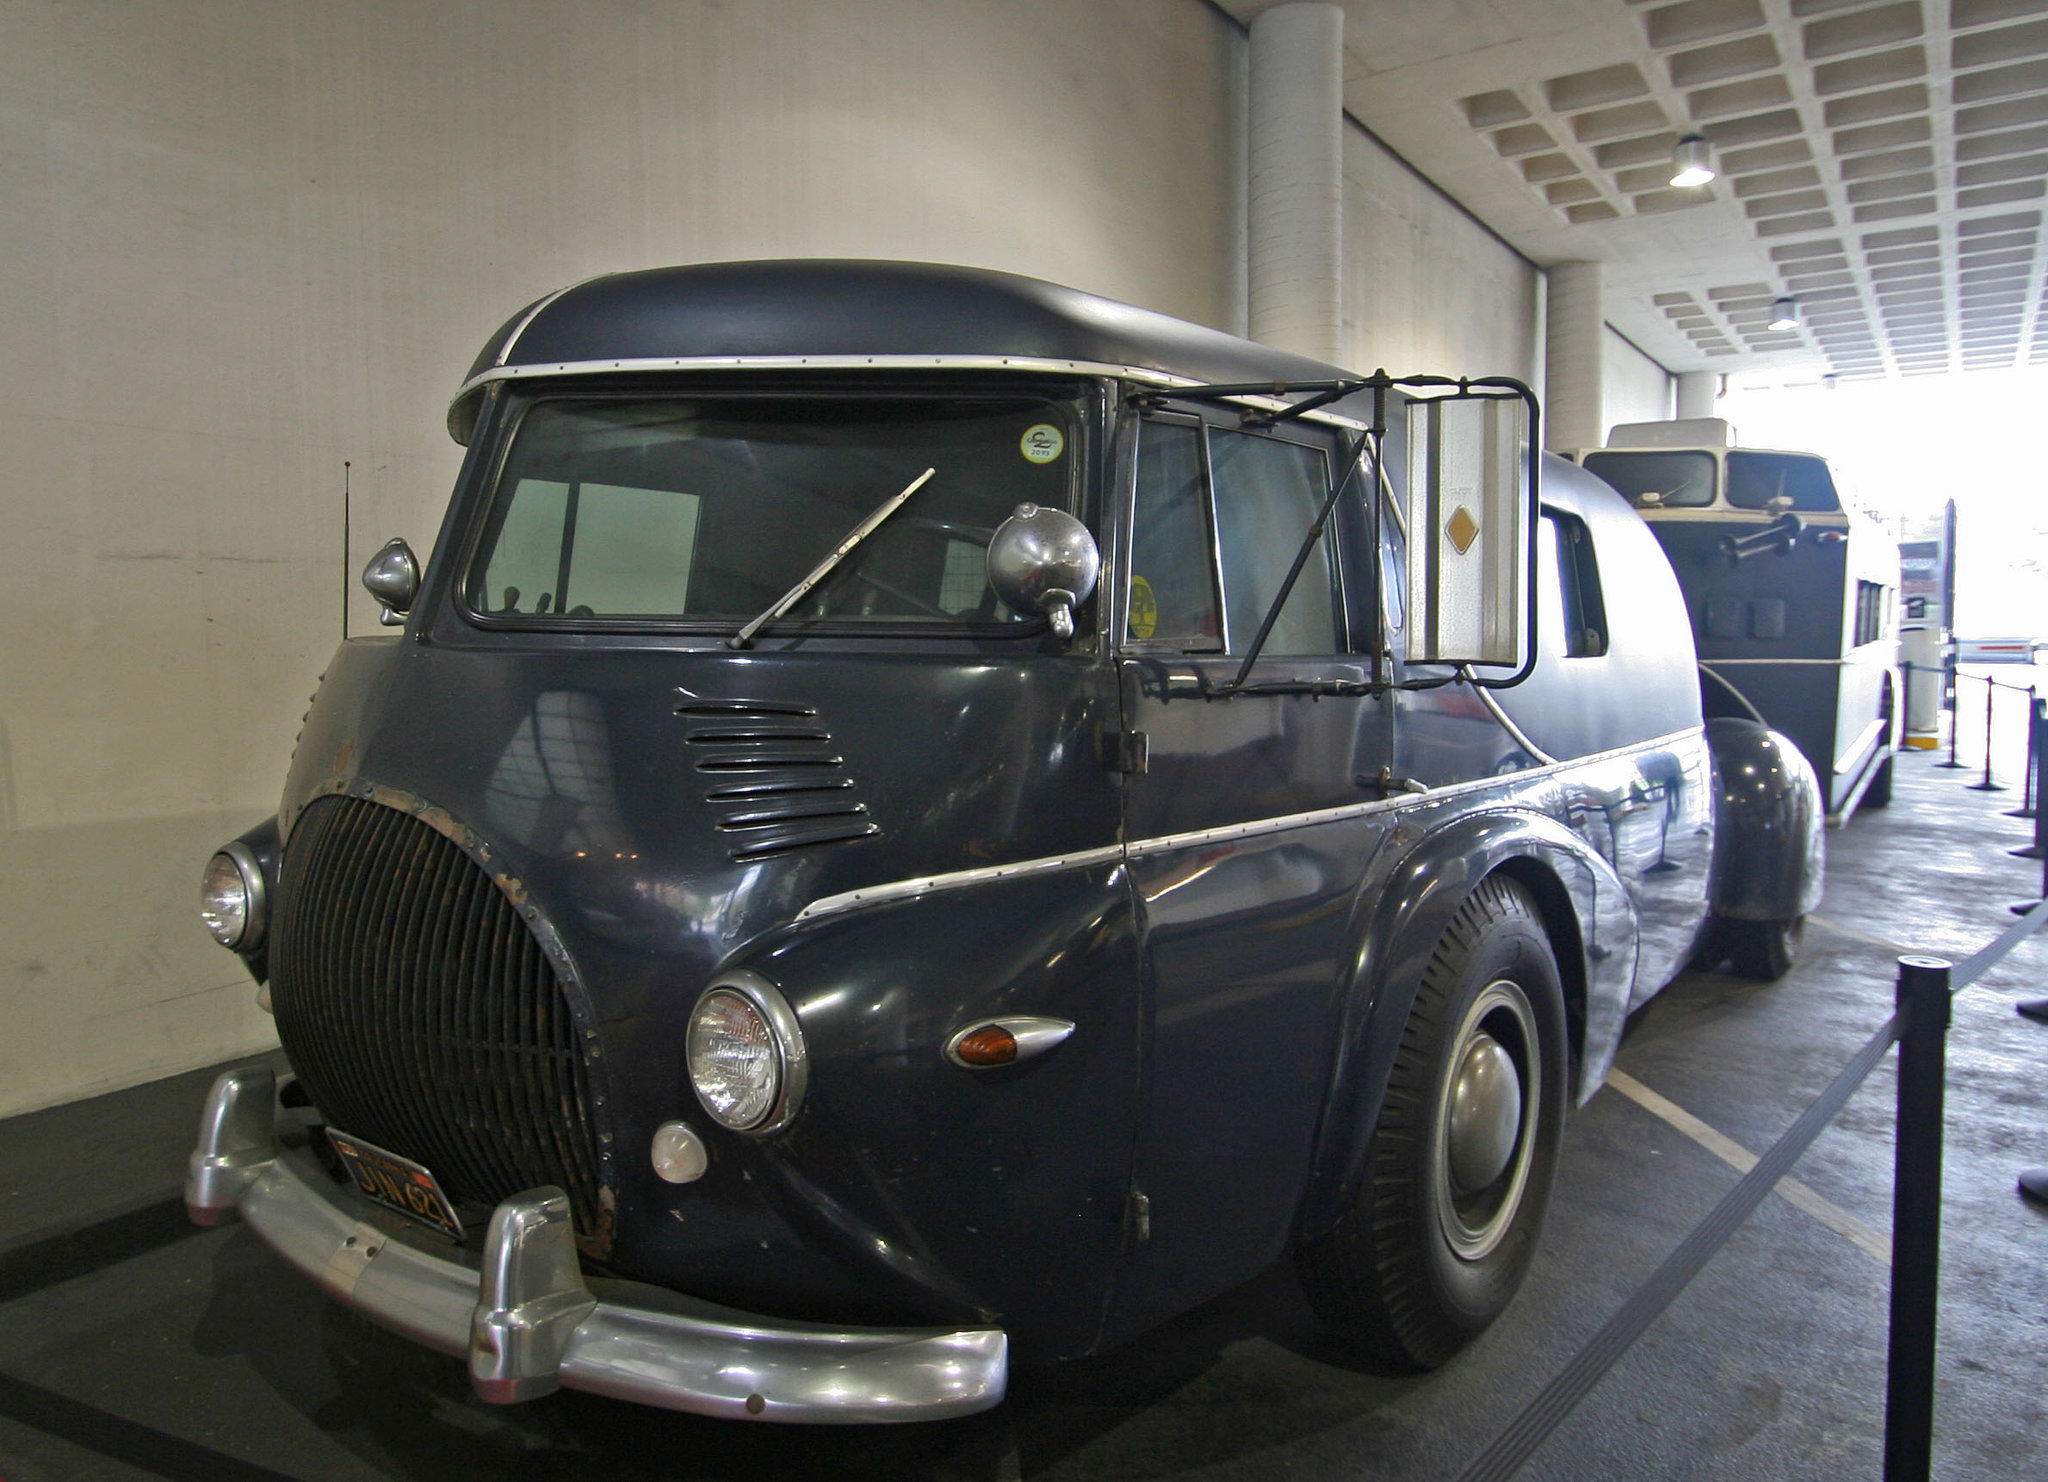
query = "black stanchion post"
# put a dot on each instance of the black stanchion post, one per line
(1987, 785)
(2037, 728)
(1954, 714)
(2026, 808)
(1916, 1220)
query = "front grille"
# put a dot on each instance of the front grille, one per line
(422, 1015)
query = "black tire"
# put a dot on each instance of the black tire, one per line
(1427, 1254)
(1764, 950)
(1879, 793)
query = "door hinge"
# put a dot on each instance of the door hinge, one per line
(1124, 751)
(1138, 1217)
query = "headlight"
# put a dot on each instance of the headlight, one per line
(746, 1054)
(231, 898)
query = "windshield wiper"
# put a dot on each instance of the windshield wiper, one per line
(745, 637)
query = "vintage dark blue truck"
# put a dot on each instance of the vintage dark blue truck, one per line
(916, 815)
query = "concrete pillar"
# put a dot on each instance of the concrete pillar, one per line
(1697, 391)
(1571, 357)
(1296, 179)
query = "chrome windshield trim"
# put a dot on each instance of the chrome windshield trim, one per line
(1032, 364)
(897, 890)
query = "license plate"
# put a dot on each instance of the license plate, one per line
(396, 1183)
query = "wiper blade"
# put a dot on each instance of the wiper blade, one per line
(745, 637)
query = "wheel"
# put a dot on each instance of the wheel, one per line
(1879, 793)
(1444, 1222)
(1764, 950)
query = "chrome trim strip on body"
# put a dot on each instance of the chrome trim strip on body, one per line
(1831, 663)
(1034, 364)
(632, 1341)
(512, 339)
(897, 890)
(1861, 746)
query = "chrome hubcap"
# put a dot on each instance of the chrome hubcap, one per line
(1485, 1125)
(1486, 1113)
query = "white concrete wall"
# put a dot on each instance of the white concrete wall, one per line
(1633, 387)
(248, 241)
(1426, 288)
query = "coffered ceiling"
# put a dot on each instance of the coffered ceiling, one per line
(1883, 162)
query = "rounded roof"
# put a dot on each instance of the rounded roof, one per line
(826, 308)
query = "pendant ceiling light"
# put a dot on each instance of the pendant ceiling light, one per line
(1785, 314)
(1692, 161)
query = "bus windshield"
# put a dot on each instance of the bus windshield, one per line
(1675, 480)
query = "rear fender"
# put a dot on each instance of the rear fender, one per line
(1586, 912)
(1769, 853)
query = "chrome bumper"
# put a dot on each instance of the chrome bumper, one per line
(529, 1323)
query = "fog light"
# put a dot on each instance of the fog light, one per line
(231, 898)
(679, 1154)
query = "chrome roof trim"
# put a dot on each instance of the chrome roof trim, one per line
(1032, 364)
(512, 339)
(897, 890)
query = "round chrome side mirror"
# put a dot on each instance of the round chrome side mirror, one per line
(1044, 562)
(393, 578)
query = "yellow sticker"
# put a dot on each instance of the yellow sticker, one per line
(1144, 608)
(1043, 443)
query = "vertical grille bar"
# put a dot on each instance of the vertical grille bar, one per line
(423, 1015)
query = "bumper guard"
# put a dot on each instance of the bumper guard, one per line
(529, 1323)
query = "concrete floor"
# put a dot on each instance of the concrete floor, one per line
(132, 1346)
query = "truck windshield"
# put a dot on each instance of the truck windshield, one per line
(708, 509)
(1658, 480)
(1755, 479)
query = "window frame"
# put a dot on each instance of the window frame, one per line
(1205, 418)
(483, 506)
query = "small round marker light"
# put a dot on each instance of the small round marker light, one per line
(679, 1154)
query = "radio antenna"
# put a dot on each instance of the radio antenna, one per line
(344, 550)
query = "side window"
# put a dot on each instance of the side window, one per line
(1268, 492)
(1173, 567)
(1570, 603)
(1872, 608)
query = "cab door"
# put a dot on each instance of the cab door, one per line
(1243, 883)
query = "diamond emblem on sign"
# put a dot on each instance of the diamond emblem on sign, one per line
(1463, 530)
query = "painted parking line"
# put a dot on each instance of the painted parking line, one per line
(1853, 934)
(1873, 1243)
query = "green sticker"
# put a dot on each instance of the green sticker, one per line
(1043, 443)
(1144, 608)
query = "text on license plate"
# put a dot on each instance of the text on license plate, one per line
(396, 1183)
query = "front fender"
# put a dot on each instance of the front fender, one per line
(1587, 913)
(1769, 849)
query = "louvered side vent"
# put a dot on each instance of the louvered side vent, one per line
(772, 777)
(423, 1016)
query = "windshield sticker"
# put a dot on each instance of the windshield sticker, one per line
(1043, 443)
(1144, 608)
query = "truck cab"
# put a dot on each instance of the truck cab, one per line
(914, 814)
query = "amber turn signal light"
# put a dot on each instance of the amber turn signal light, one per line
(989, 1045)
